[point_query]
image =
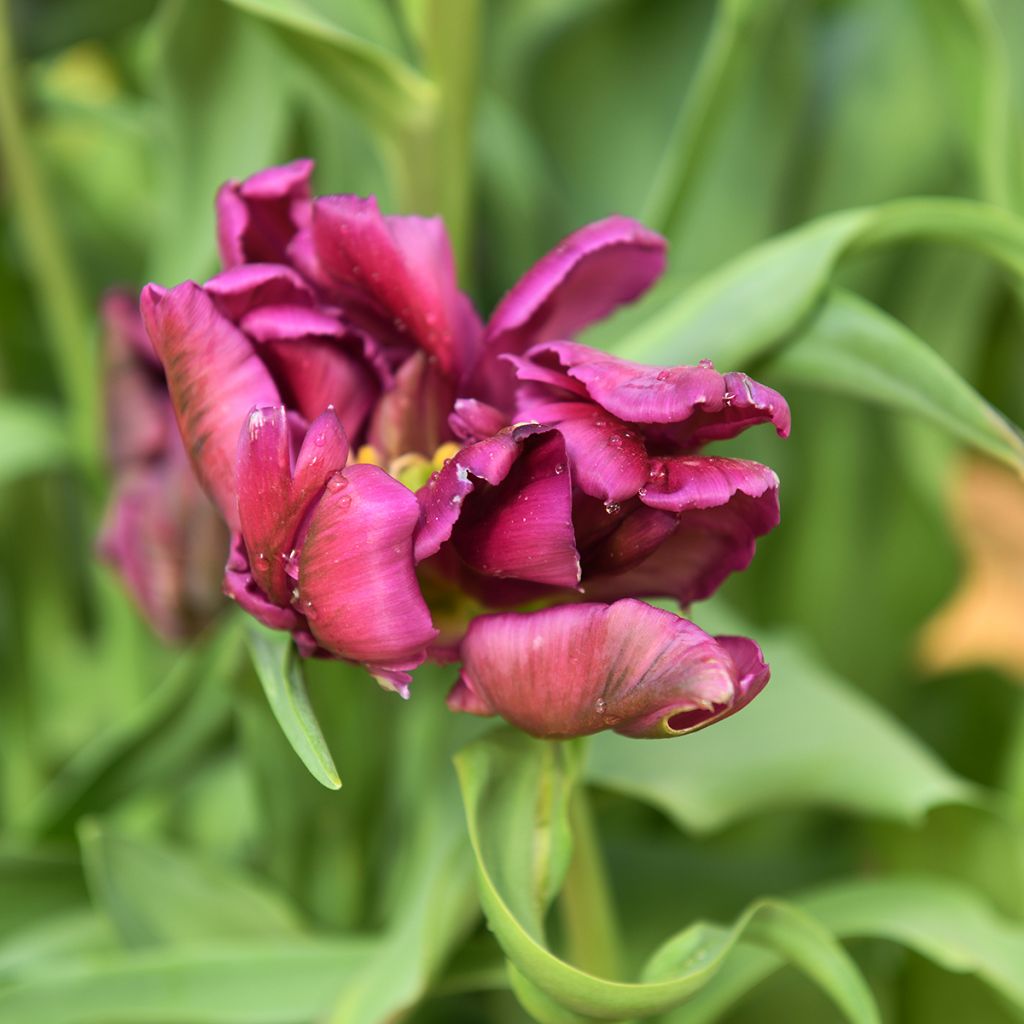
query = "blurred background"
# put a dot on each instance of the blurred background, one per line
(144, 785)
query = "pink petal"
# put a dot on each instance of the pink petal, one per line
(685, 482)
(238, 291)
(707, 546)
(257, 218)
(707, 405)
(582, 280)
(608, 459)
(572, 670)
(401, 266)
(522, 529)
(471, 420)
(214, 378)
(273, 499)
(357, 582)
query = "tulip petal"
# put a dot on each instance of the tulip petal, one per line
(214, 377)
(257, 218)
(240, 290)
(471, 420)
(240, 585)
(582, 280)
(608, 459)
(707, 546)
(707, 405)
(412, 414)
(357, 583)
(273, 498)
(403, 266)
(685, 482)
(573, 670)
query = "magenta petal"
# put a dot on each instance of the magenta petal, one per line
(705, 481)
(257, 218)
(243, 289)
(357, 582)
(577, 669)
(214, 378)
(272, 498)
(745, 404)
(522, 529)
(241, 586)
(403, 265)
(582, 280)
(608, 459)
(471, 420)
(412, 414)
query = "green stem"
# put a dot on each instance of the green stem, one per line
(712, 82)
(586, 905)
(439, 158)
(59, 296)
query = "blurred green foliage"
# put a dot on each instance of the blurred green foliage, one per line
(856, 832)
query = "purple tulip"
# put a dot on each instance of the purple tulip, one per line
(160, 533)
(369, 442)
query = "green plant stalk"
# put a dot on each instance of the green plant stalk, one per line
(59, 295)
(586, 905)
(716, 74)
(437, 157)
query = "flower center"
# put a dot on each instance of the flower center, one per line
(409, 468)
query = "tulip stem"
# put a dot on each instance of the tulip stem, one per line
(587, 907)
(60, 302)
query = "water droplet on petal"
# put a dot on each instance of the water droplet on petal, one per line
(344, 502)
(706, 364)
(601, 706)
(642, 492)
(456, 499)
(663, 375)
(600, 423)
(338, 482)
(611, 507)
(308, 610)
(559, 469)
(615, 441)
(320, 440)
(262, 562)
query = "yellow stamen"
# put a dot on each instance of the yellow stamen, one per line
(368, 456)
(445, 452)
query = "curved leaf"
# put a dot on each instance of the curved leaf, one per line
(748, 307)
(280, 674)
(856, 349)
(516, 790)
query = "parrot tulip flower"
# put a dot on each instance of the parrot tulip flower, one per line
(403, 481)
(161, 534)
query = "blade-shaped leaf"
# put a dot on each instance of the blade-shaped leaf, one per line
(377, 82)
(808, 740)
(938, 918)
(251, 983)
(280, 673)
(748, 307)
(155, 894)
(515, 790)
(854, 348)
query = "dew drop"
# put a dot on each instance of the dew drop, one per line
(338, 482)
(601, 706)
(611, 507)
(456, 499)
(615, 441)
(663, 375)
(344, 502)
(308, 610)
(600, 423)
(727, 398)
(559, 469)
(320, 440)
(642, 492)
(262, 562)
(706, 364)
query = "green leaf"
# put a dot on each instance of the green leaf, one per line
(854, 348)
(809, 740)
(389, 92)
(251, 983)
(750, 306)
(157, 895)
(155, 744)
(68, 935)
(35, 439)
(939, 919)
(280, 673)
(223, 116)
(515, 791)
(34, 884)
